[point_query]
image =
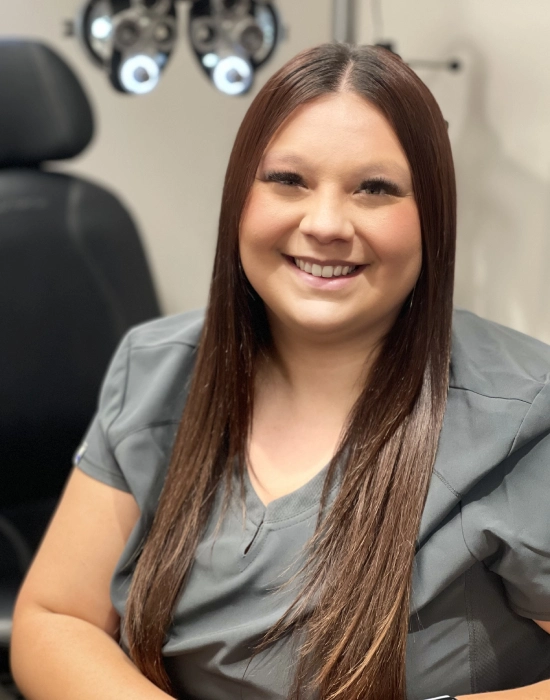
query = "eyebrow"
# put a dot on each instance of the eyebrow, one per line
(369, 167)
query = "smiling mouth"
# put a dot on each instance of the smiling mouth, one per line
(317, 270)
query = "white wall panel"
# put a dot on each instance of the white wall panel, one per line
(499, 110)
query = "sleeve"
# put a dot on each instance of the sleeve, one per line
(506, 521)
(95, 455)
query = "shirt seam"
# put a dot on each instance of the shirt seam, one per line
(500, 398)
(161, 344)
(148, 426)
(529, 613)
(125, 388)
(107, 472)
(455, 493)
(304, 513)
(514, 441)
(472, 640)
(464, 538)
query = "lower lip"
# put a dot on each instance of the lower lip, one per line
(328, 283)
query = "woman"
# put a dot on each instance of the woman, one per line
(302, 543)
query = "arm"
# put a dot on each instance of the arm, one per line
(537, 691)
(65, 629)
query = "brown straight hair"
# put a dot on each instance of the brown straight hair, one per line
(352, 614)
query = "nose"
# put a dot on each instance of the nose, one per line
(325, 219)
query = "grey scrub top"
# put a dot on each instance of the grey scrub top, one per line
(482, 567)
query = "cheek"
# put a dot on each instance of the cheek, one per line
(256, 240)
(264, 221)
(254, 220)
(398, 239)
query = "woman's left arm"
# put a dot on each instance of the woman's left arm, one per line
(537, 691)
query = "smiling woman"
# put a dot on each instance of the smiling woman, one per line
(354, 506)
(353, 229)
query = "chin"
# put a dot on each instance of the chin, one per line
(323, 325)
(331, 324)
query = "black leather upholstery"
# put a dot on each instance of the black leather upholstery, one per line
(44, 113)
(73, 279)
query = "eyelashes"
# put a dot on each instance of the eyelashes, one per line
(284, 178)
(374, 185)
(382, 183)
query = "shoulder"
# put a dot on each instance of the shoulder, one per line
(154, 365)
(143, 394)
(495, 361)
(498, 409)
(498, 401)
(178, 331)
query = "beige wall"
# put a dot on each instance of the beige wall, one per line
(165, 153)
(498, 107)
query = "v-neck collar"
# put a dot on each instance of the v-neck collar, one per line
(297, 502)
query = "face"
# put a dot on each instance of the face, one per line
(330, 235)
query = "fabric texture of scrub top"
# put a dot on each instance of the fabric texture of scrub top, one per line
(482, 567)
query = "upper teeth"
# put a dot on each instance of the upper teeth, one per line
(324, 270)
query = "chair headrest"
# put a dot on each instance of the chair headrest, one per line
(44, 112)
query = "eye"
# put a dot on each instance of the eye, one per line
(380, 186)
(284, 178)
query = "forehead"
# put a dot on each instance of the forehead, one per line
(337, 128)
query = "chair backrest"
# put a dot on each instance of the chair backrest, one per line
(73, 279)
(73, 274)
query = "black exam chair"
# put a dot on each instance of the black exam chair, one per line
(73, 279)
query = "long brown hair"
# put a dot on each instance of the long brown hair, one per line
(353, 610)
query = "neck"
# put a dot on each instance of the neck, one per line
(324, 369)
